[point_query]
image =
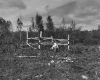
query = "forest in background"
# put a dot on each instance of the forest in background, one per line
(76, 34)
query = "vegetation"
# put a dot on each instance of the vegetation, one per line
(50, 26)
(47, 64)
(19, 27)
(39, 22)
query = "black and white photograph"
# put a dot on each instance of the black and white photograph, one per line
(49, 39)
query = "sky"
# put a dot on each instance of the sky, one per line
(85, 13)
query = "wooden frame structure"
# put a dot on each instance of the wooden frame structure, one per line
(39, 43)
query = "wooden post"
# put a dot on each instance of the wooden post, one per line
(68, 42)
(52, 38)
(20, 36)
(39, 46)
(99, 47)
(40, 34)
(27, 36)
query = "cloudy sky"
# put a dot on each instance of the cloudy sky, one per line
(85, 13)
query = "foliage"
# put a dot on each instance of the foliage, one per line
(19, 27)
(39, 22)
(19, 24)
(50, 25)
(83, 51)
(33, 25)
(5, 31)
(4, 26)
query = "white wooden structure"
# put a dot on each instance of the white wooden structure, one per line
(39, 43)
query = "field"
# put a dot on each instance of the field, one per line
(82, 62)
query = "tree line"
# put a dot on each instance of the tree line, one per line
(76, 35)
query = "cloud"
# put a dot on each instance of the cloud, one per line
(12, 3)
(88, 11)
(87, 14)
(87, 23)
(17, 3)
(87, 8)
(84, 12)
(84, 26)
(64, 9)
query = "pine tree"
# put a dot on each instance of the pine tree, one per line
(50, 25)
(39, 23)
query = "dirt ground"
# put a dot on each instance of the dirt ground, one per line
(30, 64)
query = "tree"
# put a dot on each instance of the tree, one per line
(30, 29)
(64, 23)
(99, 27)
(19, 27)
(5, 34)
(39, 23)
(19, 24)
(4, 26)
(33, 23)
(73, 25)
(9, 25)
(50, 25)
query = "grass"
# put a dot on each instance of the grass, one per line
(86, 62)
